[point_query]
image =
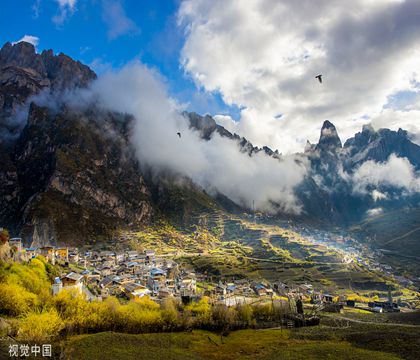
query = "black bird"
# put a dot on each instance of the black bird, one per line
(179, 134)
(319, 77)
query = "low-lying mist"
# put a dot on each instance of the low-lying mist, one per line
(216, 165)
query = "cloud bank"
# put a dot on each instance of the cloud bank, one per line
(396, 172)
(264, 57)
(215, 165)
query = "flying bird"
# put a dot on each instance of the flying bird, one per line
(319, 77)
(179, 134)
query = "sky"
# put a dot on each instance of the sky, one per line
(108, 34)
(252, 64)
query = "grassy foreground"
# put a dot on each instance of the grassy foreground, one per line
(200, 345)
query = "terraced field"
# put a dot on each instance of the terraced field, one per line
(232, 247)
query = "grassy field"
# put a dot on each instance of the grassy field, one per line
(243, 344)
(384, 337)
(401, 340)
(335, 338)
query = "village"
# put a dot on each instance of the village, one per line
(353, 251)
(350, 249)
(131, 274)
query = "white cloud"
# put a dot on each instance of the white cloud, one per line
(36, 8)
(395, 172)
(113, 14)
(374, 211)
(264, 56)
(377, 195)
(217, 164)
(66, 8)
(395, 119)
(34, 40)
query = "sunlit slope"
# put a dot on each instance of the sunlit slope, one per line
(223, 245)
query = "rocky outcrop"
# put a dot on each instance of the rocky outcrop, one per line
(61, 71)
(86, 183)
(64, 177)
(24, 73)
(329, 139)
(206, 126)
(379, 145)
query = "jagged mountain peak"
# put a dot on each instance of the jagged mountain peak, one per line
(327, 125)
(368, 128)
(206, 125)
(329, 139)
(379, 145)
(61, 70)
(25, 73)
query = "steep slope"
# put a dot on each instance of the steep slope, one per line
(75, 182)
(71, 176)
(397, 231)
(66, 176)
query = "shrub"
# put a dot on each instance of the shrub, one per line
(15, 300)
(146, 303)
(264, 311)
(223, 317)
(32, 277)
(245, 314)
(201, 311)
(133, 318)
(170, 314)
(40, 327)
(4, 236)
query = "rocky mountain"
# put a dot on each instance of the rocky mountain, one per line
(65, 176)
(207, 126)
(334, 164)
(379, 145)
(24, 73)
(327, 193)
(69, 175)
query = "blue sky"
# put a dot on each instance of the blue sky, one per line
(251, 62)
(109, 34)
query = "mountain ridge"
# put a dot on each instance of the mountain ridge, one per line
(61, 165)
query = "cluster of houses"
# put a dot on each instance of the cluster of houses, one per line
(132, 274)
(49, 252)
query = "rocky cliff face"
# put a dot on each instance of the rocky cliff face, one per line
(24, 73)
(332, 166)
(73, 179)
(67, 176)
(57, 71)
(379, 145)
